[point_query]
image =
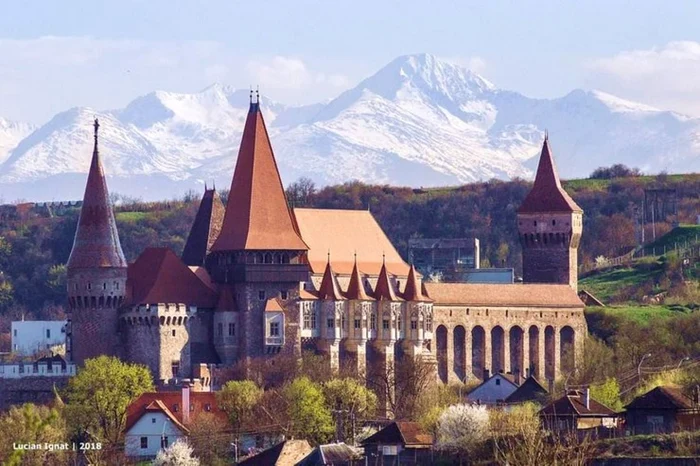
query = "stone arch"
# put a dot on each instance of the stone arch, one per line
(534, 350)
(278, 258)
(516, 342)
(498, 349)
(162, 320)
(549, 351)
(441, 349)
(459, 337)
(285, 258)
(567, 349)
(478, 351)
(259, 258)
(268, 258)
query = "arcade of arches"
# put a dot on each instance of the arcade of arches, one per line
(544, 343)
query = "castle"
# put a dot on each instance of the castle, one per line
(257, 279)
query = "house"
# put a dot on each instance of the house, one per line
(156, 420)
(663, 409)
(400, 442)
(286, 453)
(494, 389)
(577, 411)
(334, 454)
(531, 390)
(35, 336)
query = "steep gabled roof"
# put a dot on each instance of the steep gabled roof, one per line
(547, 194)
(530, 390)
(257, 216)
(330, 289)
(413, 290)
(159, 276)
(170, 403)
(96, 242)
(273, 305)
(205, 228)
(661, 398)
(384, 290)
(356, 287)
(409, 434)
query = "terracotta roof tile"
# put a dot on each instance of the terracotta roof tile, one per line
(205, 228)
(172, 401)
(410, 434)
(384, 290)
(356, 286)
(413, 290)
(159, 276)
(516, 295)
(257, 216)
(329, 289)
(346, 233)
(273, 305)
(547, 194)
(574, 404)
(96, 242)
(307, 295)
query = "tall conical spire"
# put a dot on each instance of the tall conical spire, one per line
(257, 216)
(413, 290)
(356, 289)
(96, 241)
(205, 228)
(329, 289)
(547, 194)
(384, 290)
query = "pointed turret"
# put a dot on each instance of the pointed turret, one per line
(257, 216)
(356, 289)
(413, 290)
(384, 290)
(205, 229)
(547, 194)
(96, 242)
(329, 289)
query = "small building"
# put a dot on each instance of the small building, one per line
(531, 390)
(156, 420)
(334, 454)
(34, 336)
(48, 366)
(662, 410)
(286, 453)
(400, 442)
(494, 389)
(577, 411)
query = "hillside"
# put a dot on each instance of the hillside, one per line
(419, 121)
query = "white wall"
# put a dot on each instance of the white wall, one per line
(153, 426)
(495, 389)
(17, 371)
(30, 336)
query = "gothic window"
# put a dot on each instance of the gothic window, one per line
(414, 324)
(261, 295)
(274, 329)
(231, 329)
(259, 258)
(429, 323)
(373, 321)
(385, 324)
(268, 258)
(285, 258)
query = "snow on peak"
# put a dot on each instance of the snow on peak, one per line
(618, 105)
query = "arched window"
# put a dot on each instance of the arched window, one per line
(285, 258)
(268, 258)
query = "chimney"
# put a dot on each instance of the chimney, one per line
(587, 397)
(486, 373)
(186, 403)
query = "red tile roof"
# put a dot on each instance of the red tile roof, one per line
(348, 234)
(515, 295)
(257, 216)
(273, 305)
(574, 404)
(96, 242)
(413, 290)
(384, 290)
(171, 404)
(547, 194)
(329, 289)
(159, 276)
(205, 228)
(356, 287)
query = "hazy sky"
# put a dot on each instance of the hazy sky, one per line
(59, 54)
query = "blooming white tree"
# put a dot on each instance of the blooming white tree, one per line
(177, 454)
(462, 428)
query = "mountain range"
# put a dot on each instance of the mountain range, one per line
(418, 121)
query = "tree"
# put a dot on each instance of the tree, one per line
(34, 424)
(308, 414)
(210, 439)
(99, 395)
(615, 171)
(238, 399)
(177, 454)
(351, 401)
(462, 429)
(607, 393)
(300, 192)
(527, 446)
(402, 384)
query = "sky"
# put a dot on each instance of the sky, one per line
(57, 55)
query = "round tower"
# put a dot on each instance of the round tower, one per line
(549, 226)
(96, 270)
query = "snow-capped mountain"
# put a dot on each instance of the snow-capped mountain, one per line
(11, 133)
(418, 121)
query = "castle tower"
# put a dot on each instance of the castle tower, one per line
(363, 319)
(205, 229)
(97, 271)
(333, 314)
(259, 249)
(549, 226)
